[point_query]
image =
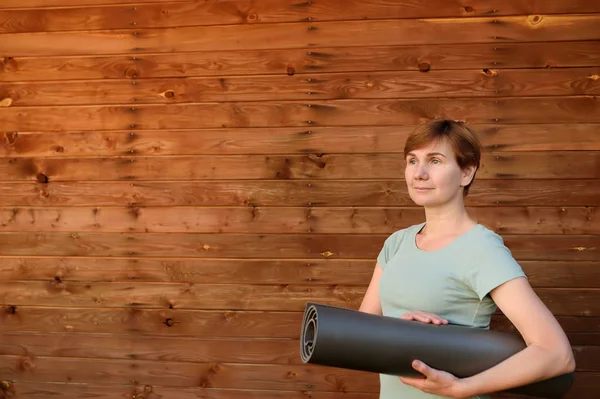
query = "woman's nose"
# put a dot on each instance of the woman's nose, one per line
(421, 172)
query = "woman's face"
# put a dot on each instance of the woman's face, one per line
(433, 176)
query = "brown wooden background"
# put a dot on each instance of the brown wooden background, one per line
(178, 178)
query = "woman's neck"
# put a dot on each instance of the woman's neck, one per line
(447, 220)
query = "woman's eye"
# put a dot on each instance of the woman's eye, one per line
(436, 161)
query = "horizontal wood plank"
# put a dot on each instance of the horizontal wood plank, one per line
(304, 61)
(270, 220)
(557, 274)
(506, 165)
(214, 375)
(289, 193)
(280, 246)
(539, 137)
(281, 297)
(319, 140)
(270, 351)
(21, 390)
(585, 109)
(534, 28)
(188, 13)
(375, 85)
(77, 390)
(478, 7)
(13, 4)
(167, 322)
(170, 349)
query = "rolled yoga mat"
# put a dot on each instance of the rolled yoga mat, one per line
(349, 339)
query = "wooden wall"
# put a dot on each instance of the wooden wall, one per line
(178, 178)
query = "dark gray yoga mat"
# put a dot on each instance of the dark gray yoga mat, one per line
(349, 339)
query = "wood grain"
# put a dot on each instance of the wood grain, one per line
(159, 349)
(319, 140)
(137, 321)
(585, 109)
(534, 28)
(166, 322)
(281, 297)
(289, 193)
(207, 375)
(75, 391)
(159, 322)
(12, 4)
(187, 13)
(375, 85)
(304, 61)
(272, 220)
(541, 274)
(269, 246)
(170, 349)
(64, 390)
(180, 177)
(519, 165)
(478, 7)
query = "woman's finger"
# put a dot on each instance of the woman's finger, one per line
(410, 316)
(424, 317)
(430, 317)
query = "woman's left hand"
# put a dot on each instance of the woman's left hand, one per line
(436, 382)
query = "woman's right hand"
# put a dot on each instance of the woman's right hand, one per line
(424, 317)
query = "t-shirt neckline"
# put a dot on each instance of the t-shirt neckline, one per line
(450, 244)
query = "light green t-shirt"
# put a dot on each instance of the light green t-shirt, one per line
(452, 282)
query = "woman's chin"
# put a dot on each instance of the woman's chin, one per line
(422, 200)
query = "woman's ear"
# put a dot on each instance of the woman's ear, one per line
(468, 174)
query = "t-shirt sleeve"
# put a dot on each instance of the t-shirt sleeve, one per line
(493, 266)
(390, 247)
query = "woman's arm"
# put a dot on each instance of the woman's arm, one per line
(371, 302)
(548, 351)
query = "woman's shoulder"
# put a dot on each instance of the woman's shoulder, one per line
(487, 241)
(487, 236)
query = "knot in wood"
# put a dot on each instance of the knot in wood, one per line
(535, 19)
(42, 178)
(27, 364)
(11, 137)
(490, 72)
(424, 66)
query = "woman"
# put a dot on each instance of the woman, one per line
(452, 269)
